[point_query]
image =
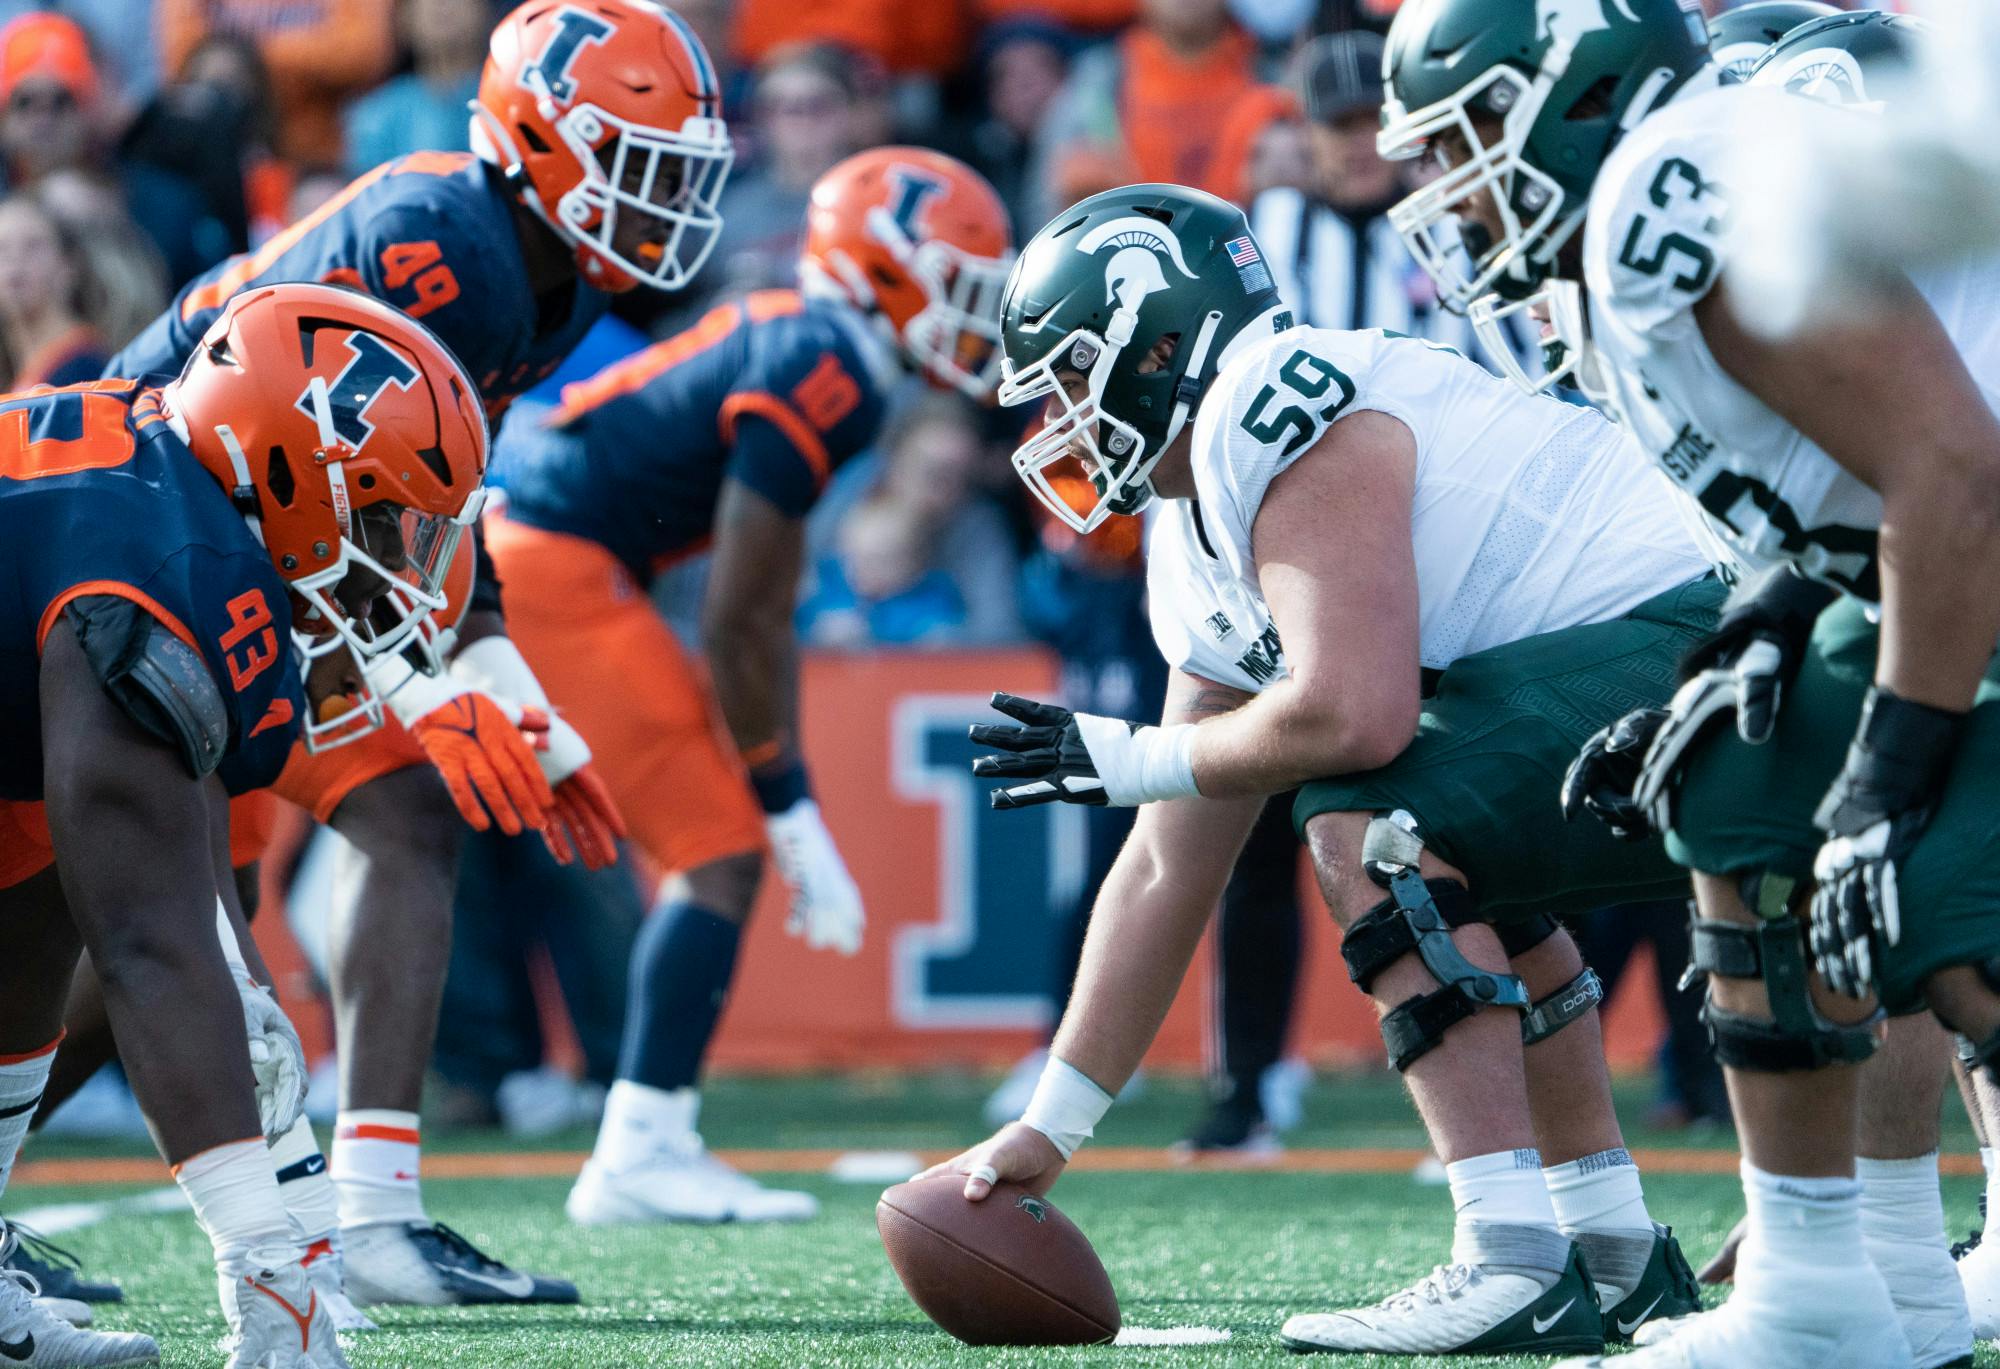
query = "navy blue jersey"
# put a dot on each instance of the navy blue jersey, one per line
(98, 495)
(431, 233)
(774, 391)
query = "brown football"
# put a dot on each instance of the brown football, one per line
(1010, 1270)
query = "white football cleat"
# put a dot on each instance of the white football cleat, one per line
(1462, 1309)
(276, 1318)
(1814, 1320)
(77, 1314)
(33, 1338)
(1930, 1300)
(328, 1272)
(682, 1183)
(428, 1264)
(1979, 1276)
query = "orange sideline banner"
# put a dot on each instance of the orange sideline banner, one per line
(962, 902)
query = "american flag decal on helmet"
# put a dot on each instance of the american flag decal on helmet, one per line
(1251, 273)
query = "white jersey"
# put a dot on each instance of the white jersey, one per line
(1530, 514)
(1652, 249)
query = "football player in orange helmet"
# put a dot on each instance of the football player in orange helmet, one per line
(919, 242)
(170, 546)
(600, 156)
(723, 437)
(612, 132)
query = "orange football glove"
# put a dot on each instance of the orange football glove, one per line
(584, 821)
(488, 762)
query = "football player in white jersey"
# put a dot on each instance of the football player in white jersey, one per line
(1580, 141)
(1349, 521)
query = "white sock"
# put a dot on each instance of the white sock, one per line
(1599, 1205)
(235, 1198)
(304, 1184)
(640, 1121)
(1900, 1201)
(375, 1166)
(1798, 1225)
(1599, 1192)
(22, 1078)
(1504, 1218)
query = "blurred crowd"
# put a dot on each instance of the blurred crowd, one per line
(141, 141)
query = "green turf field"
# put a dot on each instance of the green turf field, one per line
(1233, 1250)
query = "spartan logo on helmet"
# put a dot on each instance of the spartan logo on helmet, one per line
(1569, 20)
(1133, 272)
(373, 369)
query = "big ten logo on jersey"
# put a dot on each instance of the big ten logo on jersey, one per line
(251, 642)
(550, 71)
(1002, 877)
(371, 369)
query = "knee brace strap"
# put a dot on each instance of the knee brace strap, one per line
(1518, 938)
(1386, 933)
(1564, 1006)
(1798, 1037)
(1419, 917)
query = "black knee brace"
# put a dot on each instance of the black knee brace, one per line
(1524, 934)
(1550, 1015)
(1798, 1037)
(1418, 916)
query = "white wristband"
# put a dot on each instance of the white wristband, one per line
(410, 693)
(494, 665)
(1066, 1107)
(1140, 765)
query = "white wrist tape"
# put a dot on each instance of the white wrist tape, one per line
(1066, 1107)
(1140, 766)
(494, 665)
(410, 693)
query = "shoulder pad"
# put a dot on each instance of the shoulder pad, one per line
(160, 681)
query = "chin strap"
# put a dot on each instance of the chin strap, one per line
(1188, 392)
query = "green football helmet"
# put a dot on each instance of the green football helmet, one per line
(1739, 38)
(1847, 58)
(1090, 299)
(1562, 80)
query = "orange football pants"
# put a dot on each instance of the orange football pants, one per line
(613, 668)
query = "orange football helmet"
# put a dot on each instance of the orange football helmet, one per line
(351, 440)
(921, 242)
(606, 117)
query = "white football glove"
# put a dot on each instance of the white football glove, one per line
(277, 1056)
(826, 905)
(277, 1059)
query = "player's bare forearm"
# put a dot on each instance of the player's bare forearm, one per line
(1150, 912)
(1338, 571)
(747, 623)
(1287, 736)
(1888, 397)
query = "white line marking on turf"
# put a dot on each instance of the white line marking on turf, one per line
(875, 1166)
(56, 1218)
(1173, 1335)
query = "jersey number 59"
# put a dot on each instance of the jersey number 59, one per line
(1309, 377)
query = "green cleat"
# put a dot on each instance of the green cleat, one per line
(1667, 1289)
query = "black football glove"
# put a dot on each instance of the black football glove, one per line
(1601, 778)
(1738, 673)
(1874, 813)
(1081, 757)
